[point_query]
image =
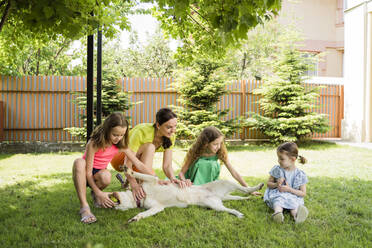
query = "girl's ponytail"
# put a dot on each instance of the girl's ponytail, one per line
(302, 159)
(166, 142)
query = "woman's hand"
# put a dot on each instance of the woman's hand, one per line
(182, 183)
(256, 193)
(103, 199)
(164, 182)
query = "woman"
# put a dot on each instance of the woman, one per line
(145, 139)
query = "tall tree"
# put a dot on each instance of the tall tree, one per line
(209, 27)
(70, 18)
(252, 59)
(33, 54)
(205, 27)
(154, 58)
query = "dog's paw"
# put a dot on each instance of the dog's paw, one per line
(240, 216)
(260, 186)
(134, 219)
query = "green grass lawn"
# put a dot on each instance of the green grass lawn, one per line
(39, 207)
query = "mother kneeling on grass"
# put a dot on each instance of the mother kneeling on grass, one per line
(147, 138)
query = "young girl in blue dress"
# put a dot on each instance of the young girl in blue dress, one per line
(286, 187)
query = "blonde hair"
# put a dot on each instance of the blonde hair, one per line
(101, 134)
(208, 135)
(291, 149)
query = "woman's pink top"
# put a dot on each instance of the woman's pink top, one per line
(103, 157)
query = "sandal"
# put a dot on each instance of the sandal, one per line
(302, 214)
(87, 218)
(278, 217)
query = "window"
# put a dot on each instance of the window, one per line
(313, 61)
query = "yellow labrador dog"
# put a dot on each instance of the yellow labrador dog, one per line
(159, 197)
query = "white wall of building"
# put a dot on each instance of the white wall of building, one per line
(356, 125)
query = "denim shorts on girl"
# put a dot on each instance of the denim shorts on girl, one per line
(94, 171)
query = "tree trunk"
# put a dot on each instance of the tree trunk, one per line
(38, 62)
(5, 15)
(244, 62)
(65, 44)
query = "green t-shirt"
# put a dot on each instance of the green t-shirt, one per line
(144, 133)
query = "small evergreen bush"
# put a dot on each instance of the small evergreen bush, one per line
(113, 99)
(285, 102)
(201, 87)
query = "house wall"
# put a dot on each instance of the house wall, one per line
(357, 123)
(322, 24)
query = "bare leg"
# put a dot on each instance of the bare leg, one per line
(80, 182)
(278, 214)
(293, 213)
(146, 154)
(102, 179)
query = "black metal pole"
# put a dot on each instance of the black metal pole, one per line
(99, 76)
(90, 46)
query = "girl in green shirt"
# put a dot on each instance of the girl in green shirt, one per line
(201, 163)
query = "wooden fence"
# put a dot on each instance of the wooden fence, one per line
(38, 108)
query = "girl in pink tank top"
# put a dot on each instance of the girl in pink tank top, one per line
(91, 170)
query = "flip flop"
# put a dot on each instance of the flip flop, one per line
(278, 217)
(89, 218)
(302, 214)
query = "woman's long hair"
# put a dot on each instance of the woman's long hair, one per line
(163, 115)
(101, 134)
(208, 135)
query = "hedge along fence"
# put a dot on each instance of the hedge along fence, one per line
(38, 108)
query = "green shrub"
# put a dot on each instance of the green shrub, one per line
(201, 87)
(285, 102)
(113, 99)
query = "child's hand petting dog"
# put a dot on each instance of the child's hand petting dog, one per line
(164, 182)
(256, 193)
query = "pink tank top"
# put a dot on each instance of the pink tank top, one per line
(103, 158)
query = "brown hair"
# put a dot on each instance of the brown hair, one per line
(163, 115)
(208, 135)
(291, 149)
(101, 134)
